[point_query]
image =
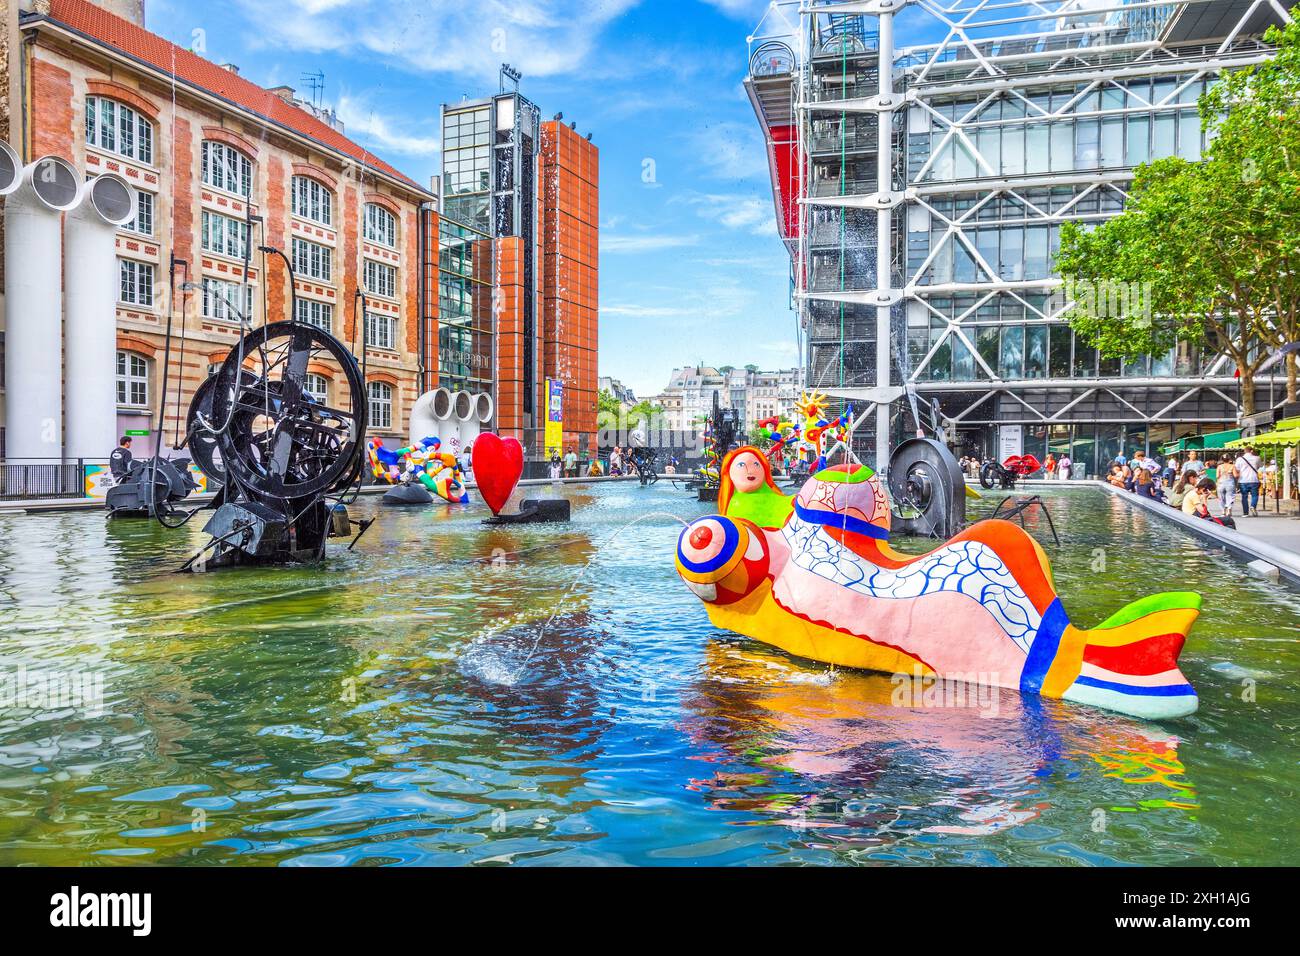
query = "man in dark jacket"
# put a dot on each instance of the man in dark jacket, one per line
(119, 462)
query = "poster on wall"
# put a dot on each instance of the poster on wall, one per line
(1011, 441)
(554, 417)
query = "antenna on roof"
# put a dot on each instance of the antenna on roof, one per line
(316, 87)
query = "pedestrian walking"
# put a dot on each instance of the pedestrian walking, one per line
(1249, 465)
(1226, 482)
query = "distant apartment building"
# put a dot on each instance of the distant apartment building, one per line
(532, 187)
(756, 395)
(223, 166)
(616, 388)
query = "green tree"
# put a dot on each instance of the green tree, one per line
(1208, 251)
(1255, 117)
(607, 403)
(644, 410)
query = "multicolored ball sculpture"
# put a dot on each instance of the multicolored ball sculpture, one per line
(981, 608)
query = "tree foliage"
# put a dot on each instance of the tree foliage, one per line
(1207, 251)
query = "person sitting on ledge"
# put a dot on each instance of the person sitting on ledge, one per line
(1198, 496)
(1205, 493)
(1186, 484)
(1116, 476)
(1145, 486)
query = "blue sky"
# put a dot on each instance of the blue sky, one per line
(691, 269)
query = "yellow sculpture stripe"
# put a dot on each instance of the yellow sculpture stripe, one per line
(759, 616)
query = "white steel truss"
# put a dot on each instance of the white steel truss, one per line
(948, 178)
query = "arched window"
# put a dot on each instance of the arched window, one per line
(132, 379)
(312, 200)
(381, 225)
(317, 386)
(119, 129)
(381, 404)
(225, 167)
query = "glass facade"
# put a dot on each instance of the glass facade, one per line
(465, 329)
(1030, 116)
(466, 165)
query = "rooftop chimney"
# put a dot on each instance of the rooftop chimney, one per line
(284, 92)
(231, 67)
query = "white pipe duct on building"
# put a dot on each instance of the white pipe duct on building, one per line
(456, 418)
(90, 390)
(45, 189)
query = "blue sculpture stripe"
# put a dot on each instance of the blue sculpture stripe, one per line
(1166, 690)
(730, 540)
(1043, 651)
(833, 519)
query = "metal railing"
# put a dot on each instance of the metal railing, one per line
(40, 478)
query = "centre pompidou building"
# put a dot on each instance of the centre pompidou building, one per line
(924, 155)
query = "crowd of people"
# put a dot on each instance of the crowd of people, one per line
(1198, 487)
(1218, 488)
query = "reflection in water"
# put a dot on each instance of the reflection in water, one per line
(972, 770)
(453, 693)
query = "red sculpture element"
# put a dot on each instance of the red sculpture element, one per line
(1023, 465)
(498, 464)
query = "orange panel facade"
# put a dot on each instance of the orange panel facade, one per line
(569, 184)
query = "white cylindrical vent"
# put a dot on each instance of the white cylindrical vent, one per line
(464, 406)
(441, 403)
(10, 167)
(91, 279)
(34, 309)
(431, 417)
(484, 408)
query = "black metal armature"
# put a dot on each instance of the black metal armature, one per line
(1020, 507)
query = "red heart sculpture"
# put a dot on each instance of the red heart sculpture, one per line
(498, 463)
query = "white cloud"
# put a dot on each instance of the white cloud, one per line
(731, 150)
(634, 311)
(742, 9)
(736, 211)
(384, 134)
(539, 37)
(646, 243)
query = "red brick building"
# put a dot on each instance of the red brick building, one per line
(203, 147)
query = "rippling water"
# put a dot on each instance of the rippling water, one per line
(449, 693)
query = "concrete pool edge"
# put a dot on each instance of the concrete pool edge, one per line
(1241, 545)
(47, 505)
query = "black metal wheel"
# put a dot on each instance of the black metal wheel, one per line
(988, 474)
(919, 486)
(200, 441)
(278, 440)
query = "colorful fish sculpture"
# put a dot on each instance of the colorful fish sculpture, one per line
(981, 608)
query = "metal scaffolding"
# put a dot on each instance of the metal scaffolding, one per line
(921, 202)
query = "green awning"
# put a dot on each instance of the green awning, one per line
(1277, 437)
(1201, 442)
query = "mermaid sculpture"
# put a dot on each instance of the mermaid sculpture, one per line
(825, 584)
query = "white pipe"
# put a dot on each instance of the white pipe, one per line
(477, 419)
(90, 391)
(430, 416)
(46, 188)
(456, 418)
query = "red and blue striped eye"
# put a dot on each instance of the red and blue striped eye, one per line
(709, 548)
